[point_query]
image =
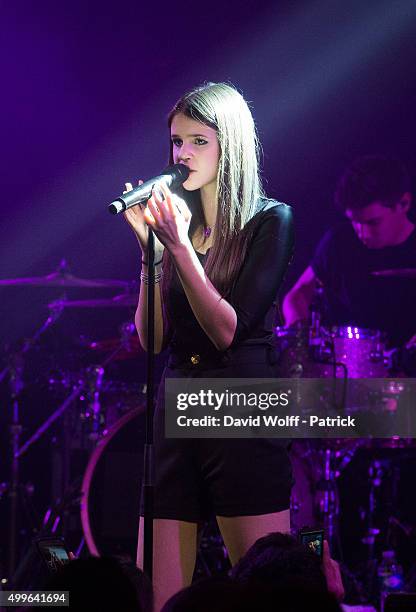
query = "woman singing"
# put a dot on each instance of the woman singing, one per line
(222, 250)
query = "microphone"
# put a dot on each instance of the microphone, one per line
(172, 176)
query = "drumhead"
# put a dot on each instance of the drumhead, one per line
(111, 488)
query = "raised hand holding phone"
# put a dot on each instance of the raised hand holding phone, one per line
(332, 573)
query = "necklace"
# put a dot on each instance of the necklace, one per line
(207, 231)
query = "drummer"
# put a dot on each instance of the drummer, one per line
(366, 265)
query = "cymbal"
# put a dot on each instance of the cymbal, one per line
(399, 272)
(123, 300)
(56, 279)
(63, 278)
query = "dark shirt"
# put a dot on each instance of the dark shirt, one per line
(254, 291)
(353, 295)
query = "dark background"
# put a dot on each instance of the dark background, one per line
(86, 88)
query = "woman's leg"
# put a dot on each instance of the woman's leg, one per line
(174, 555)
(240, 532)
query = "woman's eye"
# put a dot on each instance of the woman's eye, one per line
(177, 142)
(201, 141)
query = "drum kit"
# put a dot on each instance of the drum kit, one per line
(94, 437)
(92, 396)
(103, 416)
(320, 466)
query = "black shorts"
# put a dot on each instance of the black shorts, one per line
(196, 478)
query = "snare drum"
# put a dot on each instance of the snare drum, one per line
(340, 352)
(358, 351)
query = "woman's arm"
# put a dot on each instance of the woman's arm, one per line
(268, 256)
(226, 322)
(135, 218)
(140, 318)
(229, 322)
(170, 218)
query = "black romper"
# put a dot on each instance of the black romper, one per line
(195, 478)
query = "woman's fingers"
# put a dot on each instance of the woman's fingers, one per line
(182, 206)
(168, 202)
(134, 215)
(164, 206)
(175, 204)
(134, 211)
(151, 212)
(161, 203)
(128, 186)
(149, 218)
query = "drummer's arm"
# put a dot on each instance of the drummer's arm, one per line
(296, 303)
(411, 342)
(140, 318)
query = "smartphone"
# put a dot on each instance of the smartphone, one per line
(53, 551)
(313, 539)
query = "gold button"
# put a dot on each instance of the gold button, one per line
(195, 359)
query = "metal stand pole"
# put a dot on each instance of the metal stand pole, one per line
(15, 431)
(15, 370)
(148, 466)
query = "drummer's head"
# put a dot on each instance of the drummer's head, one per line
(374, 194)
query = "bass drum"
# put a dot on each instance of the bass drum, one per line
(111, 488)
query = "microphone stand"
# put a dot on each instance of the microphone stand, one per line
(148, 460)
(173, 176)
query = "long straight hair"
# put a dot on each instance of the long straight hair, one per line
(221, 107)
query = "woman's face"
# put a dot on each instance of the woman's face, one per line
(195, 145)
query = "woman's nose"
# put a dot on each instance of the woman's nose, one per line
(184, 153)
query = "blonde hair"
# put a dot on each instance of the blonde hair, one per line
(221, 107)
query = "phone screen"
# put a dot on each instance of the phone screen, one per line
(314, 540)
(54, 555)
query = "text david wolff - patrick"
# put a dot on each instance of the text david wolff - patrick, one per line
(265, 420)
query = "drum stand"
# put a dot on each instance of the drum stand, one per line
(15, 371)
(409, 530)
(376, 473)
(91, 385)
(375, 478)
(328, 499)
(328, 495)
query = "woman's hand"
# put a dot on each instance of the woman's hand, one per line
(169, 218)
(136, 219)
